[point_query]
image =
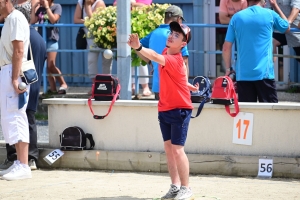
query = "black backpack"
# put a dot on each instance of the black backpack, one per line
(204, 93)
(74, 138)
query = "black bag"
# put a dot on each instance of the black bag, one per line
(202, 96)
(81, 42)
(105, 88)
(74, 138)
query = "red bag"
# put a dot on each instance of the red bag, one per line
(105, 88)
(223, 93)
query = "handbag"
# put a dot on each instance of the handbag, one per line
(74, 138)
(28, 72)
(223, 93)
(105, 88)
(81, 42)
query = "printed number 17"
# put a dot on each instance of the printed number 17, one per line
(238, 125)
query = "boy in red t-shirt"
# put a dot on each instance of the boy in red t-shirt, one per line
(174, 106)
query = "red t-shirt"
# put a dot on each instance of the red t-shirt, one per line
(174, 92)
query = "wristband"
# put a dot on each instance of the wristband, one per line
(228, 69)
(47, 8)
(140, 48)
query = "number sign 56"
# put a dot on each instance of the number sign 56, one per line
(265, 167)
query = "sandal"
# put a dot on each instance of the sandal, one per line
(147, 93)
(50, 92)
(62, 90)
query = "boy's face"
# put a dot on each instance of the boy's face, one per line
(175, 40)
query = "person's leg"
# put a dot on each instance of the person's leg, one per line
(247, 91)
(171, 161)
(11, 152)
(92, 64)
(179, 134)
(266, 91)
(143, 71)
(165, 128)
(15, 128)
(51, 79)
(106, 65)
(54, 70)
(22, 152)
(178, 138)
(33, 148)
(278, 40)
(297, 51)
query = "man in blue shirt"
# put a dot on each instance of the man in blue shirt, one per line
(156, 40)
(252, 30)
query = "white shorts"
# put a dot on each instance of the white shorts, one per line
(14, 121)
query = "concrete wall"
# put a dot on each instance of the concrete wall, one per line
(133, 126)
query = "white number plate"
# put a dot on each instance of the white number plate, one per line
(53, 156)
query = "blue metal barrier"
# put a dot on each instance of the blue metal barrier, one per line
(44, 26)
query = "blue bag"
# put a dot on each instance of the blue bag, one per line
(204, 93)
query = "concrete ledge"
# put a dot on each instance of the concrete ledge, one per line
(228, 165)
(133, 126)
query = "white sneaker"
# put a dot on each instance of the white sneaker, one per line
(17, 173)
(185, 193)
(32, 164)
(16, 162)
(171, 194)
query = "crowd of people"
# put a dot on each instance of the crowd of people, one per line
(165, 47)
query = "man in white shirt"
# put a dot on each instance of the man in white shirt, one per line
(14, 43)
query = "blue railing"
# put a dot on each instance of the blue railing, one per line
(44, 26)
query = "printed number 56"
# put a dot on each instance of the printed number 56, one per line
(268, 168)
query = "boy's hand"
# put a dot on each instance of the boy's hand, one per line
(134, 41)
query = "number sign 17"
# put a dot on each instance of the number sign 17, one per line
(242, 128)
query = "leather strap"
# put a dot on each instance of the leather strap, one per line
(111, 104)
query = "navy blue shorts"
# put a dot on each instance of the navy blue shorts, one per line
(263, 91)
(174, 125)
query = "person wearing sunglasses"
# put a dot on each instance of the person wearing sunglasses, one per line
(174, 106)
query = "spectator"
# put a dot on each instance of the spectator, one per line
(229, 7)
(156, 41)
(290, 9)
(174, 106)
(49, 12)
(27, 4)
(143, 70)
(90, 6)
(14, 122)
(39, 53)
(255, 68)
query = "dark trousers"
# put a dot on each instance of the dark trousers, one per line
(33, 149)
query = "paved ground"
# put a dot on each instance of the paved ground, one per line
(92, 185)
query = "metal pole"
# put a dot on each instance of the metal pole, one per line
(124, 51)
